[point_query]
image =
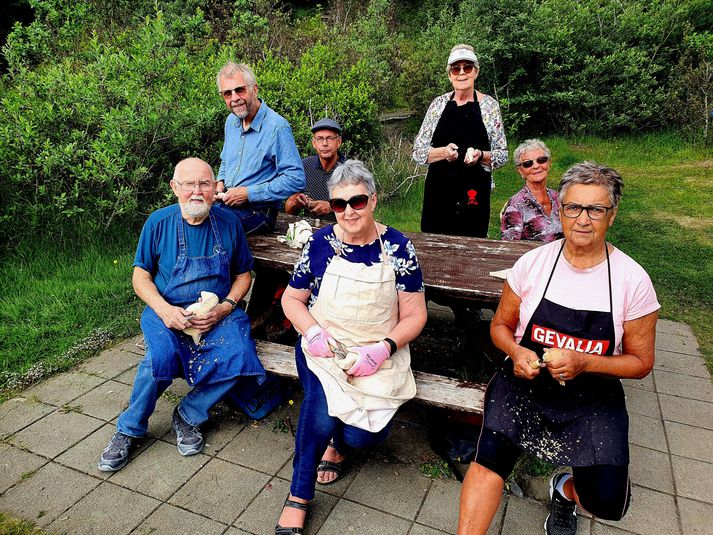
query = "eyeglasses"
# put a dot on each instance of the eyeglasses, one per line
(322, 139)
(542, 160)
(358, 202)
(240, 91)
(594, 212)
(467, 68)
(204, 185)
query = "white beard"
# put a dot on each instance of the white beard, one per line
(196, 211)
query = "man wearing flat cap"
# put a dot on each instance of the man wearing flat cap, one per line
(314, 200)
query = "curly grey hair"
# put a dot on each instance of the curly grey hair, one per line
(590, 172)
(231, 68)
(527, 146)
(351, 173)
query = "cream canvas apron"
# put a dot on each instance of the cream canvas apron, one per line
(358, 305)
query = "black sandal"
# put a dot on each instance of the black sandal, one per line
(279, 530)
(330, 466)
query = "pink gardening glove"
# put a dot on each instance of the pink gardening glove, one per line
(317, 341)
(370, 358)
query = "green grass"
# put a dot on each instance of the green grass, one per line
(14, 526)
(665, 221)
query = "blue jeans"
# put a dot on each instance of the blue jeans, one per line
(193, 408)
(255, 220)
(314, 430)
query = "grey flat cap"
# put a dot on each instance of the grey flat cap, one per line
(327, 124)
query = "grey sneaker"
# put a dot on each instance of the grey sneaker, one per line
(562, 519)
(116, 454)
(189, 439)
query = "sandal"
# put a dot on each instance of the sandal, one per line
(330, 466)
(279, 530)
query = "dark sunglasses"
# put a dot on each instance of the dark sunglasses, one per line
(358, 202)
(467, 68)
(239, 91)
(542, 160)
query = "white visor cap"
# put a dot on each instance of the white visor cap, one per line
(463, 54)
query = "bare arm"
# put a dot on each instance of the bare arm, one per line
(635, 362)
(502, 331)
(173, 317)
(412, 317)
(294, 305)
(448, 153)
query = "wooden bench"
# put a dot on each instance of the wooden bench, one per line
(434, 390)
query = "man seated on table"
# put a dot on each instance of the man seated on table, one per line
(314, 200)
(260, 164)
(185, 249)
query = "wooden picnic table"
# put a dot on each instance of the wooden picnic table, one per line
(453, 266)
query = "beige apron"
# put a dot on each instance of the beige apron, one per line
(358, 305)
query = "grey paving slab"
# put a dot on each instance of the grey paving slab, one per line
(685, 386)
(160, 421)
(679, 363)
(131, 346)
(107, 509)
(349, 517)
(220, 490)
(159, 471)
(405, 444)
(218, 433)
(694, 479)
(641, 519)
(106, 401)
(689, 441)
(248, 448)
(418, 529)
(65, 387)
(127, 377)
(19, 412)
(16, 465)
(176, 521)
(236, 531)
(110, 363)
(676, 343)
(647, 383)
(392, 488)
(640, 401)
(647, 432)
(262, 514)
(696, 517)
(524, 517)
(47, 493)
(673, 327)
(440, 508)
(651, 468)
(604, 529)
(55, 433)
(687, 411)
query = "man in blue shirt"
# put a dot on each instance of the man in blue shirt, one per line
(314, 201)
(185, 249)
(260, 165)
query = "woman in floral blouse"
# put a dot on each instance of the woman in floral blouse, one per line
(461, 140)
(533, 212)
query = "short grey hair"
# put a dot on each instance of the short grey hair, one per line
(590, 172)
(527, 146)
(351, 173)
(231, 68)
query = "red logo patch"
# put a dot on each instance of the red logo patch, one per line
(549, 337)
(471, 196)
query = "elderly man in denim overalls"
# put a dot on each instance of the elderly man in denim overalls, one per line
(185, 249)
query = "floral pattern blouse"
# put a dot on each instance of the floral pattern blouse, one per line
(524, 218)
(323, 246)
(493, 121)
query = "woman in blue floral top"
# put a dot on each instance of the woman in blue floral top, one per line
(533, 212)
(462, 140)
(356, 296)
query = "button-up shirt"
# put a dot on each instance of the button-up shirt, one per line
(263, 158)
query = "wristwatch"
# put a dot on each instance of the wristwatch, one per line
(232, 303)
(392, 346)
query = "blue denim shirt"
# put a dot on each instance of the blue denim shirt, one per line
(264, 158)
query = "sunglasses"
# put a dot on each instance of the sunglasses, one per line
(358, 202)
(467, 68)
(239, 91)
(542, 160)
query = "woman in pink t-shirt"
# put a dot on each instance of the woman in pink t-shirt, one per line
(576, 316)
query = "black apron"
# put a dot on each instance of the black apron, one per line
(582, 423)
(456, 199)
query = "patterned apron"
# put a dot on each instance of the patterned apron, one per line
(358, 305)
(227, 350)
(583, 423)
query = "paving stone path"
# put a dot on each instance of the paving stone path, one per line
(52, 434)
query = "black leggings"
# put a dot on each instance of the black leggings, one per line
(604, 489)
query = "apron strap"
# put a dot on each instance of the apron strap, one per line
(216, 234)
(181, 235)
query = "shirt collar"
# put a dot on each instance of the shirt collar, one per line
(257, 120)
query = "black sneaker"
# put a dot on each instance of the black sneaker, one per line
(116, 454)
(562, 519)
(189, 439)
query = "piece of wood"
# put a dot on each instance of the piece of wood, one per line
(431, 389)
